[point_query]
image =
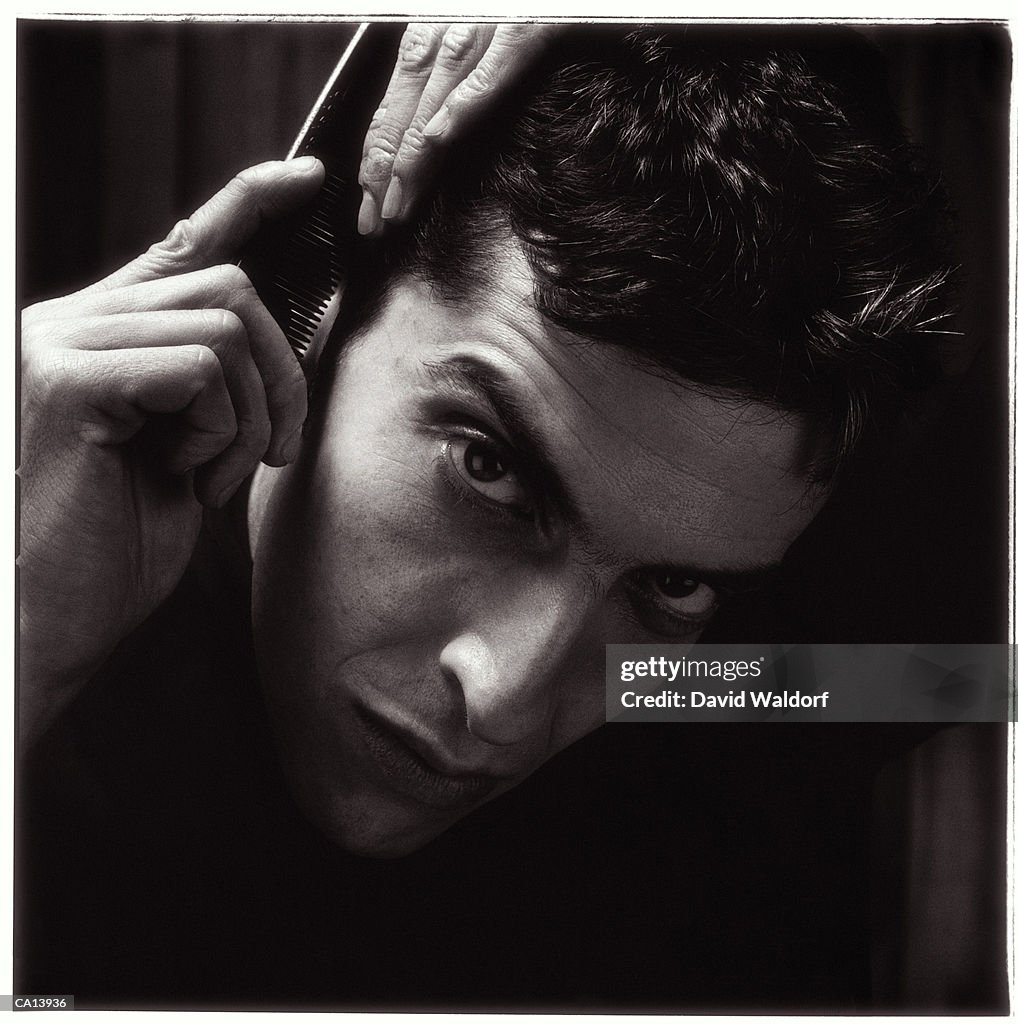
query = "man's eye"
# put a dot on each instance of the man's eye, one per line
(671, 603)
(484, 468)
(684, 594)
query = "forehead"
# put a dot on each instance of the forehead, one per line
(661, 471)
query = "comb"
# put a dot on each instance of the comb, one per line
(298, 265)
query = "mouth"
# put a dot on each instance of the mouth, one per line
(412, 775)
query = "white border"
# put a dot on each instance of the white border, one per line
(874, 12)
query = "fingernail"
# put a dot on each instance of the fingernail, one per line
(291, 449)
(437, 124)
(367, 218)
(303, 163)
(393, 200)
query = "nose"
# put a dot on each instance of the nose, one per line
(512, 663)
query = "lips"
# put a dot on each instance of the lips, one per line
(410, 773)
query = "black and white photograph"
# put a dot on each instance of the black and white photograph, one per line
(374, 378)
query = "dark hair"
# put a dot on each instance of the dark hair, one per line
(737, 207)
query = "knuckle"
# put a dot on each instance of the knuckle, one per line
(180, 244)
(223, 326)
(478, 83)
(458, 44)
(413, 145)
(55, 376)
(417, 47)
(202, 362)
(377, 119)
(32, 317)
(251, 185)
(378, 160)
(229, 281)
(181, 238)
(384, 141)
(252, 180)
(33, 333)
(55, 335)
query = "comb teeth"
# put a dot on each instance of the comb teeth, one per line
(298, 266)
(309, 271)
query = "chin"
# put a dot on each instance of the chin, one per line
(380, 840)
(383, 847)
(370, 828)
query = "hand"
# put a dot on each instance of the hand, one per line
(145, 396)
(446, 78)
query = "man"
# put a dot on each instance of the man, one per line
(604, 379)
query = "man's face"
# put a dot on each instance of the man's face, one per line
(485, 505)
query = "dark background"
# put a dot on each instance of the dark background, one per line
(125, 127)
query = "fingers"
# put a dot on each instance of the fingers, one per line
(217, 231)
(512, 50)
(189, 381)
(433, 60)
(223, 335)
(113, 394)
(214, 437)
(133, 366)
(180, 295)
(447, 77)
(257, 356)
(418, 50)
(128, 368)
(462, 52)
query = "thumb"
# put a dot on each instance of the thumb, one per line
(216, 232)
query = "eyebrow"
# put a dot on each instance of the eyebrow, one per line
(736, 581)
(496, 389)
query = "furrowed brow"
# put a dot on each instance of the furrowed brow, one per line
(492, 387)
(737, 581)
(498, 392)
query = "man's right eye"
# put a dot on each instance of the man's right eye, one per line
(487, 470)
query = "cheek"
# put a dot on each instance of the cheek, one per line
(338, 564)
(376, 528)
(369, 522)
(383, 552)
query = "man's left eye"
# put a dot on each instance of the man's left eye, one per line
(671, 602)
(486, 469)
(681, 591)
